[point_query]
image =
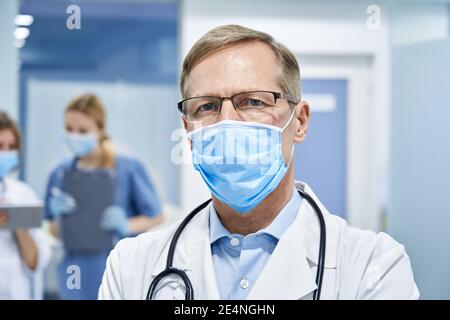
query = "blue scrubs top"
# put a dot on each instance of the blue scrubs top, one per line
(135, 193)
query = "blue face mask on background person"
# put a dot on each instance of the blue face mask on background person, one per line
(81, 144)
(8, 161)
(241, 162)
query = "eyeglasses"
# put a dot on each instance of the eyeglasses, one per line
(251, 105)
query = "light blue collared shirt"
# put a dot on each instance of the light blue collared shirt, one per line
(239, 260)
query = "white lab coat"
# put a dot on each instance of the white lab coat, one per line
(358, 265)
(17, 281)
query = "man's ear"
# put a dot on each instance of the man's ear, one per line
(302, 113)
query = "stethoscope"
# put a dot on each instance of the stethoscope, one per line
(170, 269)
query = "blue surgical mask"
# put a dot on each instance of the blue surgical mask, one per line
(241, 162)
(81, 144)
(8, 161)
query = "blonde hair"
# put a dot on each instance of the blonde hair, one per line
(228, 35)
(91, 106)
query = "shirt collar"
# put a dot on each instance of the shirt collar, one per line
(285, 218)
(216, 228)
(276, 228)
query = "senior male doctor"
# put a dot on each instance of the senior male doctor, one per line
(258, 238)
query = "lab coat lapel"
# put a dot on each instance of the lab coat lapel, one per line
(193, 255)
(310, 231)
(291, 270)
(287, 274)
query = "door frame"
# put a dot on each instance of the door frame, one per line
(361, 196)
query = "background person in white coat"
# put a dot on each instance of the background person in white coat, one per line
(258, 239)
(24, 253)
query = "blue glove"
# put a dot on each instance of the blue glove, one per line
(61, 203)
(114, 218)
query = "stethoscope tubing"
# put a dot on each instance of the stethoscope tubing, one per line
(170, 269)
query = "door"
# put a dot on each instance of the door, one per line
(321, 160)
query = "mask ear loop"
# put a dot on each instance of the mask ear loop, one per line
(290, 119)
(282, 130)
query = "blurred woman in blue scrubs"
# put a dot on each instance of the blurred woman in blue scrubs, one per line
(136, 208)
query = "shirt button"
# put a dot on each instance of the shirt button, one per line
(234, 242)
(244, 283)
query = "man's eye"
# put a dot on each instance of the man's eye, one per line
(256, 103)
(252, 103)
(207, 107)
